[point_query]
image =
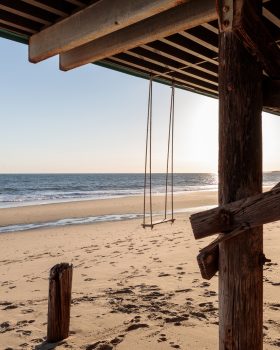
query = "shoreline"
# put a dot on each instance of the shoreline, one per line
(90, 208)
(61, 201)
(94, 220)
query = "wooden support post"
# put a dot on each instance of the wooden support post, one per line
(60, 286)
(240, 176)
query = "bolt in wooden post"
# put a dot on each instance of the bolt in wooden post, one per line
(60, 286)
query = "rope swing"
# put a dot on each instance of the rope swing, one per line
(148, 217)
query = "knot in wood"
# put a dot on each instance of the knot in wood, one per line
(225, 217)
(225, 8)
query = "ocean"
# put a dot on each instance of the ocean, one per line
(38, 189)
(28, 189)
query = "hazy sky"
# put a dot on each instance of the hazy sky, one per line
(93, 119)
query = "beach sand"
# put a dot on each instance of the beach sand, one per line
(132, 288)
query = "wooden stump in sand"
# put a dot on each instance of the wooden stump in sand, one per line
(60, 286)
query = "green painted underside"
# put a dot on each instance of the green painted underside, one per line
(20, 38)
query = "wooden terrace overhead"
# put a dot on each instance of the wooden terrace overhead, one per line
(170, 40)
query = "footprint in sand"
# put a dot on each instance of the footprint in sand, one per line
(163, 274)
(27, 311)
(100, 346)
(135, 326)
(5, 327)
(24, 332)
(209, 293)
(24, 322)
(10, 307)
(173, 345)
(117, 340)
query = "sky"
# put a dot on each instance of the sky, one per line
(93, 120)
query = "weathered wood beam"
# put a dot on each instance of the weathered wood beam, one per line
(208, 257)
(180, 60)
(167, 23)
(211, 28)
(92, 22)
(271, 93)
(18, 26)
(171, 68)
(271, 17)
(46, 7)
(7, 6)
(251, 30)
(199, 41)
(255, 211)
(76, 3)
(192, 52)
(167, 74)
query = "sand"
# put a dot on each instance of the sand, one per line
(132, 288)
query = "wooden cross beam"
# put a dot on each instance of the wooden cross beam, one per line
(254, 211)
(208, 257)
(187, 15)
(92, 22)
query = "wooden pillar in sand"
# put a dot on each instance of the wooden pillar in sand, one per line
(60, 287)
(240, 176)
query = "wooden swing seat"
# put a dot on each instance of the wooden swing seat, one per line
(158, 222)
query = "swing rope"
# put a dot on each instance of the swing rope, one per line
(148, 148)
(170, 136)
(170, 150)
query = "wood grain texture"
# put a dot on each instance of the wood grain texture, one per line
(251, 30)
(60, 286)
(240, 176)
(180, 18)
(208, 257)
(255, 211)
(92, 22)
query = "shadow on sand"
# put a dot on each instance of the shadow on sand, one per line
(48, 346)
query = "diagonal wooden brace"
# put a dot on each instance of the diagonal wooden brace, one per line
(255, 210)
(208, 257)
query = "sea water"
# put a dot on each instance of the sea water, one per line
(29, 189)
